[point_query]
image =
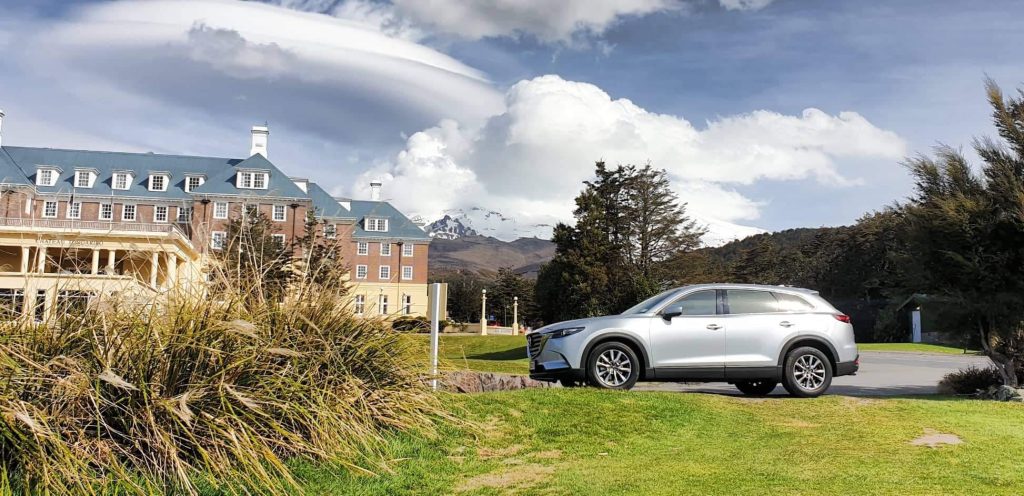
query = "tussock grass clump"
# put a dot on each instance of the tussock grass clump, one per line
(211, 391)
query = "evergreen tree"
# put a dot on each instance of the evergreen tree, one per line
(251, 253)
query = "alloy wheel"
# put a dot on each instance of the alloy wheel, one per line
(809, 372)
(613, 368)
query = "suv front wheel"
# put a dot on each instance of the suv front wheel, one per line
(613, 365)
(807, 372)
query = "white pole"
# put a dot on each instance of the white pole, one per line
(483, 313)
(435, 310)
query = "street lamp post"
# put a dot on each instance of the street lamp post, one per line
(483, 314)
(515, 316)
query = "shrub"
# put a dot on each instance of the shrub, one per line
(969, 380)
(196, 391)
(411, 324)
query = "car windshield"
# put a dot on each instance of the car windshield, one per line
(650, 303)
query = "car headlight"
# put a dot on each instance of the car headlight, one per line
(565, 331)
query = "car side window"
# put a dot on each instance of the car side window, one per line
(743, 301)
(699, 303)
(792, 303)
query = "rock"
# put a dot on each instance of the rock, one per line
(1002, 393)
(481, 382)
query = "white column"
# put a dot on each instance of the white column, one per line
(483, 313)
(111, 261)
(154, 268)
(95, 262)
(24, 259)
(515, 315)
(172, 270)
(41, 259)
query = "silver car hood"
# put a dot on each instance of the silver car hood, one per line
(588, 322)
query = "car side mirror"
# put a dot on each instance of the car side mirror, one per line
(671, 311)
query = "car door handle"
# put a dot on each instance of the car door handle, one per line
(714, 327)
(786, 323)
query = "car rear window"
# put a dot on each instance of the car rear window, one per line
(792, 303)
(745, 301)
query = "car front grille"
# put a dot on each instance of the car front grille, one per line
(534, 344)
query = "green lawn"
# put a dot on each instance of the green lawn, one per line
(586, 441)
(505, 354)
(911, 347)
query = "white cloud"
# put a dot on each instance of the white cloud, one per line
(744, 4)
(546, 141)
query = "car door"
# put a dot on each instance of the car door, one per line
(691, 344)
(755, 329)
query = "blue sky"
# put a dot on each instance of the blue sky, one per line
(504, 105)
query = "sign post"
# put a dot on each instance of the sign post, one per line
(435, 310)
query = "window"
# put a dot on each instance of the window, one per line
(252, 180)
(106, 211)
(331, 232)
(376, 225)
(83, 179)
(12, 303)
(407, 304)
(220, 210)
(193, 182)
(362, 248)
(279, 239)
(385, 272)
(121, 180)
(49, 209)
(361, 272)
(251, 210)
(382, 304)
(217, 239)
(127, 212)
(744, 301)
(279, 213)
(46, 177)
(75, 210)
(408, 249)
(360, 304)
(406, 272)
(699, 303)
(792, 303)
(184, 214)
(385, 249)
(158, 182)
(160, 213)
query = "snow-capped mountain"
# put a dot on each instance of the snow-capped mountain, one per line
(449, 228)
(457, 223)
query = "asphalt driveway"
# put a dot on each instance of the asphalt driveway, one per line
(881, 373)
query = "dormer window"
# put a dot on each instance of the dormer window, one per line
(158, 182)
(252, 179)
(85, 178)
(375, 225)
(122, 180)
(47, 176)
(193, 181)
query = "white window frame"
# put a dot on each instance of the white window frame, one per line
(200, 180)
(156, 213)
(407, 304)
(330, 231)
(409, 269)
(218, 239)
(164, 179)
(48, 203)
(365, 270)
(408, 250)
(74, 208)
(385, 249)
(124, 211)
(359, 304)
(375, 224)
(184, 219)
(280, 238)
(227, 210)
(362, 248)
(127, 181)
(247, 180)
(110, 211)
(284, 213)
(382, 304)
(51, 174)
(384, 273)
(79, 175)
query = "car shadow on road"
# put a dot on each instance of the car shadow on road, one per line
(886, 392)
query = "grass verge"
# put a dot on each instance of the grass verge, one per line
(912, 347)
(501, 354)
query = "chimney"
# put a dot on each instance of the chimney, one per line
(1, 127)
(375, 190)
(259, 140)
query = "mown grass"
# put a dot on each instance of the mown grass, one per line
(599, 442)
(502, 354)
(912, 347)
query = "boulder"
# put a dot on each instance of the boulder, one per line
(481, 382)
(1002, 393)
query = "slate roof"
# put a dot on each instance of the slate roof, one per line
(219, 172)
(326, 205)
(10, 173)
(399, 225)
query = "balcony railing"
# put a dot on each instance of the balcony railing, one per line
(90, 225)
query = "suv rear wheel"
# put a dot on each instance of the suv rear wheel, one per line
(613, 365)
(807, 372)
(756, 388)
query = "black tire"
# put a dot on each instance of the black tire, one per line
(807, 372)
(619, 367)
(756, 388)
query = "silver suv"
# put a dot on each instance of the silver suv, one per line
(747, 335)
